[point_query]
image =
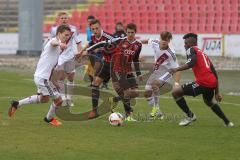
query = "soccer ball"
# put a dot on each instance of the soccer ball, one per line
(116, 119)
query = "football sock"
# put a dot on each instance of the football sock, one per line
(217, 110)
(62, 89)
(127, 105)
(30, 100)
(183, 105)
(116, 98)
(51, 111)
(120, 95)
(150, 101)
(95, 96)
(156, 101)
(69, 90)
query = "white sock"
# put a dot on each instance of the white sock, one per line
(69, 90)
(51, 111)
(62, 89)
(150, 101)
(156, 102)
(30, 100)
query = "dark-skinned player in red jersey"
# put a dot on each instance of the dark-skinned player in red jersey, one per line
(206, 82)
(125, 54)
(103, 65)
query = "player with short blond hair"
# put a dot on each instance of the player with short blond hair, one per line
(165, 59)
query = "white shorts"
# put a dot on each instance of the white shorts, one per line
(46, 87)
(159, 76)
(68, 66)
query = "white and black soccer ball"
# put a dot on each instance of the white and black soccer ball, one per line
(116, 119)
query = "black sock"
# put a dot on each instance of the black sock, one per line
(127, 105)
(117, 98)
(217, 110)
(183, 105)
(95, 96)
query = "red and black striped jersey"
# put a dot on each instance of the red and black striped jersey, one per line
(104, 37)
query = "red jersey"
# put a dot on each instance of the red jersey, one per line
(126, 53)
(104, 37)
(202, 70)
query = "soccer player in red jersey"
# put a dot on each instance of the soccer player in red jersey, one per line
(102, 66)
(206, 82)
(125, 52)
(124, 82)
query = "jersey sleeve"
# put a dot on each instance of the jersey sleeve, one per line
(191, 57)
(52, 32)
(172, 58)
(136, 60)
(153, 42)
(76, 36)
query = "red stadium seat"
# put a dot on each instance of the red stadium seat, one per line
(179, 16)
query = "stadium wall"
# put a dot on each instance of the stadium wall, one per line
(212, 44)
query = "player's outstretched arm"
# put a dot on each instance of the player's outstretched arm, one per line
(55, 43)
(144, 41)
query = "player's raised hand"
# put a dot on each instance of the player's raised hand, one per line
(79, 54)
(63, 46)
(218, 97)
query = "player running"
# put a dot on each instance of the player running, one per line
(102, 66)
(165, 59)
(42, 76)
(66, 64)
(206, 82)
(124, 55)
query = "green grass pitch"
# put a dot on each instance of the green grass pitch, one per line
(26, 136)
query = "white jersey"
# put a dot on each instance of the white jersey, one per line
(68, 53)
(166, 58)
(48, 60)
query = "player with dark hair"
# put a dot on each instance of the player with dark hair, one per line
(46, 87)
(102, 65)
(119, 30)
(206, 82)
(124, 55)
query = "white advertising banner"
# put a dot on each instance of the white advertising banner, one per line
(211, 44)
(8, 43)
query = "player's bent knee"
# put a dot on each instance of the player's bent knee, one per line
(177, 92)
(148, 94)
(208, 103)
(44, 99)
(58, 101)
(71, 76)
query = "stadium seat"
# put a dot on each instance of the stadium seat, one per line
(204, 16)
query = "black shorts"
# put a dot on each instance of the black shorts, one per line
(104, 72)
(125, 81)
(194, 89)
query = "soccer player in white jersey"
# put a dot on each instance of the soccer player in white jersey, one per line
(42, 76)
(166, 58)
(66, 64)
